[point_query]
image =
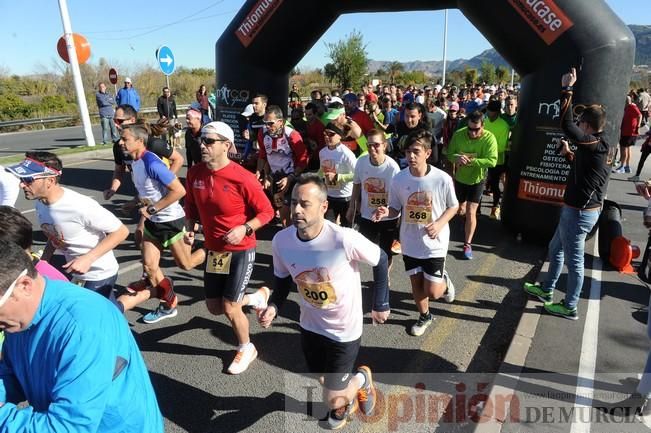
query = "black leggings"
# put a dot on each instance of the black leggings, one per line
(339, 207)
(494, 175)
(640, 165)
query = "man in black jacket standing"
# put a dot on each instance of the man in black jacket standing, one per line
(582, 202)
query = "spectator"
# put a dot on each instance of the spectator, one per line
(644, 104)
(192, 137)
(646, 150)
(128, 95)
(294, 97)
(105, 103)
(628, 134)
(202, 99)
(83, 360)
(166, 105)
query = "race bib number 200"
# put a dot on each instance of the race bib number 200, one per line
(319, 294)
(218, 262)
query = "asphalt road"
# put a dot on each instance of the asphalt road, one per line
(188, 355)
(19, 142)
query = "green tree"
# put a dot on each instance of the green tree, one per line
(395, 68)
(349, 61)
(487, 71)
(470, 75)
(502, 74)
(455, 77)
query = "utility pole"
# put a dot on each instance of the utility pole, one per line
(445, 46)
(76, 73)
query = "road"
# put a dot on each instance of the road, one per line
(19, 142)
(188, 355)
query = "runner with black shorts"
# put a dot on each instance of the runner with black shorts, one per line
(229, 202)
(159, 190)
(322, 259)
(425, 197)
(374, 173)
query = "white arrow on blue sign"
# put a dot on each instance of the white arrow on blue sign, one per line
(165, 59)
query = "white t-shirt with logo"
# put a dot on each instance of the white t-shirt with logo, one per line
(325, 270)
(374, 182)
(340, 160)
(74, 225)
(422, 200)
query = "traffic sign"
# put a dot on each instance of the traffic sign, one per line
(165, 60)
(113, 76)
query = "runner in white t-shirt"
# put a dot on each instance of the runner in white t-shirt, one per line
(337, 168)
(374, 173)
(9, 188)
(74, 224)
(425, 197)
(323, 260)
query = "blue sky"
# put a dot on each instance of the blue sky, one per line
(127, 32)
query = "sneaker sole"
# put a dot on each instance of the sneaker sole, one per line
(344, 421)
(562, 315)
(418, 334)
(159, 318)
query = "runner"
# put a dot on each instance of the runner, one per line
(425, 197)
(322, 259)
(337, 168)
(230, 203)
(74, 224)
(374, 174)
(159, 190)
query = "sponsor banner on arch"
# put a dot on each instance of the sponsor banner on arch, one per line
(544, 176)
(255, 20)
(544, 17)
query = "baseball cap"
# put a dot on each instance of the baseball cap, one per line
(334, 128)
(219, 128)
(350, 97)
(248, 110)
(127, 80)
(453, 107)
(336, 99)
(371, 97)
(32, 168)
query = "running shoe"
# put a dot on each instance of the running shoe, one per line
(495, 213)
(467, 251)
(635, 178)
(535, 289)
(159, 314)
(627, 169)
(396, 248)
(450, 293)
(260, 298)
(423, 322)
(338, 418)
(366, 395)
(559, 309)
(242, 359)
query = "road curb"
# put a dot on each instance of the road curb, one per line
(81, 156)
(504, 385)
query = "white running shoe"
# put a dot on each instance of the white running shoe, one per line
(242, 359)
(450, 292)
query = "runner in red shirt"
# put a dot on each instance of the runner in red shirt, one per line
(229, 202)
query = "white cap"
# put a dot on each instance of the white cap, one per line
(438, 87)
(336, 99)
(248, 110)
(127, 80)
(219, 128)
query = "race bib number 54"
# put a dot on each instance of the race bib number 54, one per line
(418, 215)
(218, 262)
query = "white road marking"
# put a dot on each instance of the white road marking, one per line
(588, 361)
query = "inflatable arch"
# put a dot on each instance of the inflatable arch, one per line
(541, 39)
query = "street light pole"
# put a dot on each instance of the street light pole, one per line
(76, 73)
(445, 46)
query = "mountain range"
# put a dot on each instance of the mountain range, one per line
(435, 67)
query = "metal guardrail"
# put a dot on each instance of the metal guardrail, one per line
(42, 121)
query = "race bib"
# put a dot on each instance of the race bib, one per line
(377, 199)
(418, 215)
(218, 262)
(319, 294)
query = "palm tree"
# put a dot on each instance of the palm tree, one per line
(394, 68)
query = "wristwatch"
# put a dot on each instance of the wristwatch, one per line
(151, 210)
(249, 229)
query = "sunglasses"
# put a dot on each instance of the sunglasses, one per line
(118, 121)
(474, 129)
(10, 289)
(211, 141)
(30, 179)
(270, 122)
(329, 133)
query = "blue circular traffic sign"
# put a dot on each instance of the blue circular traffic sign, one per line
(165, 59)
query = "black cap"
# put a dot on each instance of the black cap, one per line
(334, 128)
